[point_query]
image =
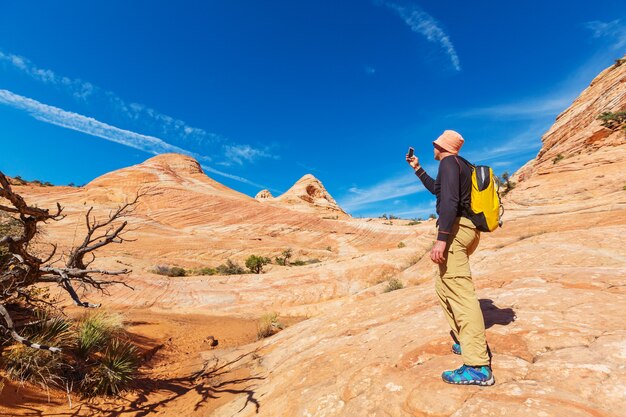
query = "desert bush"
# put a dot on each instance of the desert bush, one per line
(96, 328)
(414, 222)
(284, 257)
(432, 216)
(170, 271)
(300, 262)
(114, 371)
(206, 271)
(558, 158)
(23, 363)
(393, 284)
(230, 268)
(329, 248)
(255, 263)
(401, 245)
(505, 183)
(612, 120)
(268, 325)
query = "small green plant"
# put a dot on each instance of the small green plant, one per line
(43, 367)
(268, 325)
(558, 158)
(414, 222)
(206, 271)
(114, 371)
(284, 258)
(300, 262)
(624, 188)
(504, 181)
(329, 249)
(230, 268)
(96, 328)
(401, 245)
(613, 120)
(170, 271)
(393, 284)
(432, 216)
(255, 263)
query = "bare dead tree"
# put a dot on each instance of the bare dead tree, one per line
(23, 268)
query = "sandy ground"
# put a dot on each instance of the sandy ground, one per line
(177, 362)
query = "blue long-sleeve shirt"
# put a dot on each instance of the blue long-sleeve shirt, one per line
(452, 188)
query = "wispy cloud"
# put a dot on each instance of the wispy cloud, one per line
(240, 153)
(421, 22)
(614, 30)
(524, 143)
(78, 88)
(93, 127)
(524, 109)
(386, 190)
(136, 113)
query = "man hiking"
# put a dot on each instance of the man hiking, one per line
(457, 239)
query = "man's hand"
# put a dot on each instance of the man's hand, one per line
(413, 161)
(436, 253)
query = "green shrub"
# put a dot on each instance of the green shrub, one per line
(612, 120)
(114, 371)
(230, 268)
(43, 367)
(300, 262)
(96, 358)
(95, 328)
(170, 271)
(432, 216)
(505, 183)
(401, 245)
(255, 263)
(206, 271)
(393, 284)
(558, 158)
(413, 222)
(284, 258)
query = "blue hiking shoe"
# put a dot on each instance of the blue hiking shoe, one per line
(468, 375)
(456, 348)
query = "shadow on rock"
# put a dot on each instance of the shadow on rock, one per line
(494, 315)
(211, 382)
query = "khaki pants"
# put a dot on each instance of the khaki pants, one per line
(455, 290)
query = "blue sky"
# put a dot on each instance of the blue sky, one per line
(262, 93)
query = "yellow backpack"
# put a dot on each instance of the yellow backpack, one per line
(485, 209)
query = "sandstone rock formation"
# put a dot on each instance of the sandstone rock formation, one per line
(309, 195)
(263, 194)
(552, 285)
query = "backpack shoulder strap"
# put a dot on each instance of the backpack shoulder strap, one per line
(466, 161)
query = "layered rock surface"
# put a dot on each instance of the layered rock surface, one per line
(309, 195)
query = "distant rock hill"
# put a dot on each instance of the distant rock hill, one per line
(308, 194)
(263, 194)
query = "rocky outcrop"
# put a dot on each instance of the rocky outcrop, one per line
(263, 195)
(309, 195)
(577, 131)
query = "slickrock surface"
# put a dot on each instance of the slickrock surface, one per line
(552, 284)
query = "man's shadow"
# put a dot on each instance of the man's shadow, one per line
(494, 315)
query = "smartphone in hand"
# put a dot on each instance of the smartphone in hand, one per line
(411, 151)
